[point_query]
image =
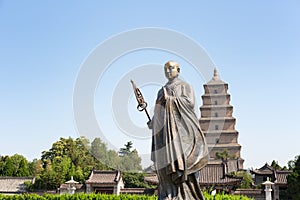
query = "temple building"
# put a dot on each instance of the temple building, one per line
(218, 124)
(277, 176)
(108, 182)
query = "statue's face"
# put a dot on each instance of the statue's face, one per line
(171, 72)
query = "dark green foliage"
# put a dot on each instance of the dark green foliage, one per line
(68, 157)
(29, 185)
(35, 167)
(127, 149)
(293, 179)
(134, 180)
(9, 167)
(275, 165)
(77, 158)
(247, 179)
(15, 165)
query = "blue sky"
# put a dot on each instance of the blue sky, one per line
(255, 45)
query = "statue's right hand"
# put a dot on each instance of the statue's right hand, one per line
(165, 93)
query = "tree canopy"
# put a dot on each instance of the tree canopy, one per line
(15, 165)
(293, 179)
(70, 157)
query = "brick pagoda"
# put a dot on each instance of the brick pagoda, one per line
(217, 122)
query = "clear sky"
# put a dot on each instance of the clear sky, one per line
(254, 44)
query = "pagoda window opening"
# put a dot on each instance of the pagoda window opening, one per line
(216, 102)
(216, 114)
(215, 91)
(216, 127)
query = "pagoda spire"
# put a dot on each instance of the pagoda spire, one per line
(216, 74)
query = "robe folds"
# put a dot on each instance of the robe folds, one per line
(179, 148)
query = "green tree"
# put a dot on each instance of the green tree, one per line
(22, 168)
(285, 168)
(134, 180)
(130, 161)
(60, 162)
(293, 179)
(68, 157)
(46, 180)
(35, 167)
(247, 181)
(15, 165)
(291, 163)
(2, 165)
(83, 143)
(127, 149)
(79, 176)
(224, 155)
(61, 167)
(8, 167)
(114, 161)
(99, 151)
(275, 165)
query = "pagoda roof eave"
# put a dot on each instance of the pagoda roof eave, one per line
(220, 145)
(215, 82)
(217, 106)
(220, 132)
(215, 95)
(217, 118)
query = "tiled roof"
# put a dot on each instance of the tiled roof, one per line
(213, 174)
(281, 177)
(66, 186)
(248, 191)
(151, 178)
(264, 170)
(13, 184)
(104, 177)
(266, 167)
(150, 169)
(216, 79)
(232, 165)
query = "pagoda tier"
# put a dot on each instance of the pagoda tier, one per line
(217, 122)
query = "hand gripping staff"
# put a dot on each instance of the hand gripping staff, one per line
(142, 104)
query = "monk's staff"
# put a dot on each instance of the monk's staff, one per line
(142, 104)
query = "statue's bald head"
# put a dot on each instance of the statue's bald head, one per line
(172, 64)
(172, 70)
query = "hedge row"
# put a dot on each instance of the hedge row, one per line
(106, 197)
(225, 197)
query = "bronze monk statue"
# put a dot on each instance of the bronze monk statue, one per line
(179, 148)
